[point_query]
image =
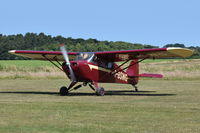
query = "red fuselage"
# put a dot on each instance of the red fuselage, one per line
(100, 72)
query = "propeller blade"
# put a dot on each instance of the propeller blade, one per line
(64, 53)
(66, 57)
(73, 78)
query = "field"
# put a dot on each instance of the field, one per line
(31, 69)
(32, 104)
(161, 106)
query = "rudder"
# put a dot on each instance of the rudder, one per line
(133, 71)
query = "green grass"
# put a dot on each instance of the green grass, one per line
(31, 69)
(37, 63)
(162, 60)
(23, 63)
(28, 69)
(174, 69)
(161, 106)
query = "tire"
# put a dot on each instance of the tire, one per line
(100, 91)
(63, 91)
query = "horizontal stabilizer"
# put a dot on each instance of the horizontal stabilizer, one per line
(148, 75)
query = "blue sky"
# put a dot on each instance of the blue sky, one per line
(154, 22)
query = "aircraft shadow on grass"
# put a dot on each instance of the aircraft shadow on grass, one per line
(107, 93)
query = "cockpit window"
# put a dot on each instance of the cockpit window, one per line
(90, 57)
(84, 56)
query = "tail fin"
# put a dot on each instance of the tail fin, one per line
(133, 69)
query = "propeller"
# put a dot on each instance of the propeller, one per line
(66, 57)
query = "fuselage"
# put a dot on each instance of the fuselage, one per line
(94, 70)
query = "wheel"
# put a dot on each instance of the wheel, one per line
(100, 91)
(85, 83)
(63, 91)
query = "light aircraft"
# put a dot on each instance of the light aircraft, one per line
(91, 68)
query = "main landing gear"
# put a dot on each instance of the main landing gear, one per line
(64, 91)
(99, 91)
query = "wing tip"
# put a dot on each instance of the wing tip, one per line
(181, 52)
(12, 51)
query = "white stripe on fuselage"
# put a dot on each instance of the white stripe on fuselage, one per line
(118, 75)
(98, 68)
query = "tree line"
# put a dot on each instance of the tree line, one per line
(33, 41)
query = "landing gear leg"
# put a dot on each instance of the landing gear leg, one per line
(136, 88)
(91, 87)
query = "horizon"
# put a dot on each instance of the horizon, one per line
(95, 39)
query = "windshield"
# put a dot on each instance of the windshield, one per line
(84, 56)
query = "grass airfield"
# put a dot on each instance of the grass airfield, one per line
(161, 106)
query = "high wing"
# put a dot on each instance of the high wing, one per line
(156, 53)
(111, 56)
(43, 55)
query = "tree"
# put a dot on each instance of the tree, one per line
(33, 41)
(174, 45)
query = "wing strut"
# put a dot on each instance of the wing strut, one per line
(121, 65)
(114, 72)
(55, 59)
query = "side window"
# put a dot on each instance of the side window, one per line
(102, 63)
(109, 65)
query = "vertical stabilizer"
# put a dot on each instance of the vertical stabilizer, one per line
(133, 72)
(133, 69)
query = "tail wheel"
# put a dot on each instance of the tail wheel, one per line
(63, 91)
(100, 91)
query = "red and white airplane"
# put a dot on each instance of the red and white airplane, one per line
(100, 67)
